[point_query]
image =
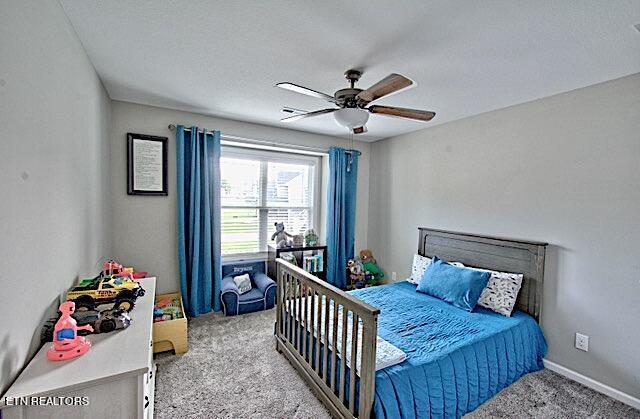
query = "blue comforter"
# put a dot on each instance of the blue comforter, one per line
(456, 360)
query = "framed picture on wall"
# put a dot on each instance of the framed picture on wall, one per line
(147, 165)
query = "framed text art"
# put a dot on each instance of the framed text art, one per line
(146, 165)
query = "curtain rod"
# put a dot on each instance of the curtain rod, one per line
(228, 137)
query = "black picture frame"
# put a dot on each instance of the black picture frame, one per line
(131, 137)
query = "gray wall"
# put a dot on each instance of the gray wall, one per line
(54, 148)
(144, 228)
(566, 170)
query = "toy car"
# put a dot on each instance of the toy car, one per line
(120, 290)
(105, 322)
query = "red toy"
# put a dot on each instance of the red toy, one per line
(139, 275)
(111, 267)
(66, 342)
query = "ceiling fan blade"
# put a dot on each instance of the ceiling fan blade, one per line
(403, 112)
(305, 91)
(308, 115)
(359, 130)
(391, 83)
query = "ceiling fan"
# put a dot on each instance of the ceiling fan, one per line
(353, 104)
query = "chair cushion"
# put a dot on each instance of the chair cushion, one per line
(254, 295)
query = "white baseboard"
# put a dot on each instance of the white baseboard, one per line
(593, 384)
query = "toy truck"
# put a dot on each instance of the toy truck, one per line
(119, 290)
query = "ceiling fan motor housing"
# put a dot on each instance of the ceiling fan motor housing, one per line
(347, 97)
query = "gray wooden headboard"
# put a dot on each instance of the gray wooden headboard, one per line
(494, 253)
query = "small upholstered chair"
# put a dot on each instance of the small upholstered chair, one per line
(261, 297)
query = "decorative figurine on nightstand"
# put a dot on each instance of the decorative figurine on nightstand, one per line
(310, 237)
(282, 238)
(66, 342)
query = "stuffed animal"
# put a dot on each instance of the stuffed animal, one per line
(356, 272)
(367, 256)
(369, 265)
(282, 238)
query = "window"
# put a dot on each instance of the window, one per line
(260, 188)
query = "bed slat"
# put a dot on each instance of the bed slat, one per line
(334, 345)
(298, 292)
(368, 357)
(304, 299)
(343, 355)
(325, 353)
(353, 362)
(317, 332)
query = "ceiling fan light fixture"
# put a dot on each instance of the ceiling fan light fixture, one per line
(351, 117)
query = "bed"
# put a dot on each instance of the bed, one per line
(455, 360)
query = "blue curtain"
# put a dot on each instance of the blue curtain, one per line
(341, 213)
(198, 175)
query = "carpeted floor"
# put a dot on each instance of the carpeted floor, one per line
(232, 370)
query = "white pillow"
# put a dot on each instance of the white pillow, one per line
(501, 292)
(420, 264)
(243, 282)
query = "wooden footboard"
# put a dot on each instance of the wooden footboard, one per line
(318, 328)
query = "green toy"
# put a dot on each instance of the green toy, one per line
(369, 265)
(374, 270)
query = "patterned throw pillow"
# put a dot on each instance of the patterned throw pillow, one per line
(243, 282)
(501, 292)
(420, 264)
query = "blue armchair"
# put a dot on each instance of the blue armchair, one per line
(261, 297)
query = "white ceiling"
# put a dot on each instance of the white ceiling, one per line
(223, 58)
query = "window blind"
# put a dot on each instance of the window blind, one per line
(259, 189)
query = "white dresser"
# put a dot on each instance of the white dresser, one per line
(116, 377)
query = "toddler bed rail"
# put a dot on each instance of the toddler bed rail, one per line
(317, 328)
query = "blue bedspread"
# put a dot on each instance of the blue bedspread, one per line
(456, 360)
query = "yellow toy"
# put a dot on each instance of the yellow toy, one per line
(120, 290)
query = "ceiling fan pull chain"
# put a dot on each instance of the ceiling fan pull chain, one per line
(350, 154)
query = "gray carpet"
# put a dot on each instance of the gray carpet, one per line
(232, 370)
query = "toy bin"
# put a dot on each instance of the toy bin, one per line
(171, 334)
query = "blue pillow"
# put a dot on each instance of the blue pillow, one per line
(460, 287)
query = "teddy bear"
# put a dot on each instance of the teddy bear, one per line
(367, 256)
(370, 266)
(282, 238)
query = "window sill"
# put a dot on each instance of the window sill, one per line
(245, 257)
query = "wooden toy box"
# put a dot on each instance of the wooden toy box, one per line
(170, 334)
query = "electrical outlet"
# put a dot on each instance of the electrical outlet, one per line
(394, 276)
(582, 342)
